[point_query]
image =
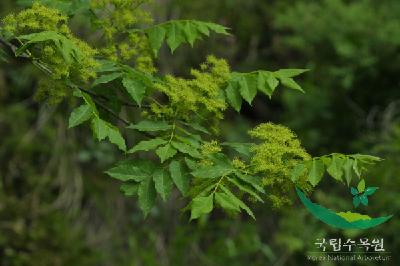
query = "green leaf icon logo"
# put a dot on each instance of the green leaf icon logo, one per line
(360, 194)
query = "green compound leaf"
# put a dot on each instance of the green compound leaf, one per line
(192, 165)
(166, 152)
(367, 159)
(286, 77)
(116, 138)
(201, 205)
(289, 73)
(147, 145)
(245, 188)
(187, 149)
(291, 84)
(316, 172)
(237, 201)
(335, 169)
(181, 179)
(272, 82)
(246, 85)
(106, 78)
(347, 166)
(212, 171)
(156, 37)
(65, 46)
(242, 148)
(107, 66)
(135, 88)
(248, 88)
(297, 171)
(175, 35)
(234, 97)
(255, 182)
(163, 183)
(198, 127)
(148, 125)
(129, 189)
(146, 195)
(177, 32)
(190, 32)
(103, 129)
(80, 115)
(348, 170)
(132, 170)
(226, 202)
(267, 83)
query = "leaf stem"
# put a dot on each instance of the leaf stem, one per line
(217, 185)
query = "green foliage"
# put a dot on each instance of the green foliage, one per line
(64, 45)
(202, 205)
(180, 177)
(148, 125)
(246, 85)
(322, 119)
(80, 115)
(177, 32)
(46, 38)
(179, 115)
(216, 180)
(102, 129)
(342, 168)
(147, 145)
(166, 152)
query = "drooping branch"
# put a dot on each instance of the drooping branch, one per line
(13, 48)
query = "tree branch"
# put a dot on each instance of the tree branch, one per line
(101, 105)
(108, 99)
(44, 68)
(13, 48)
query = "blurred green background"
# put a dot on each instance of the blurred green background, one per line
(58, 208)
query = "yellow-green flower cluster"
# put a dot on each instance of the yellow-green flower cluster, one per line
(36, 19)
(203, 93)
(238, 164)
(39, 19)
(210, 147)
(274, 158)
(117, 19)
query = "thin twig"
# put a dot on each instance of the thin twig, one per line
(105, 98)
(44, 68)
(111, 112)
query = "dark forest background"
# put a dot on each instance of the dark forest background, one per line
(58, 208)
